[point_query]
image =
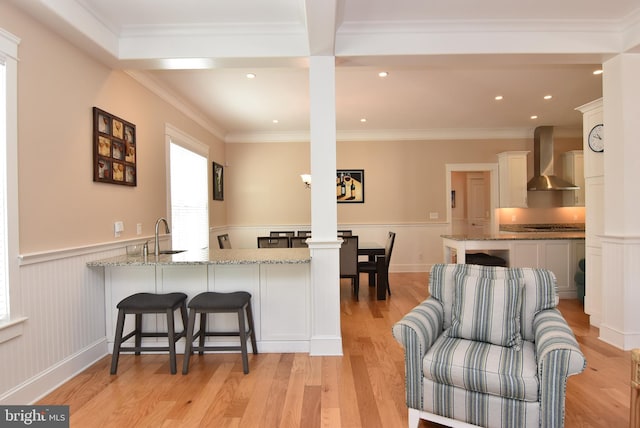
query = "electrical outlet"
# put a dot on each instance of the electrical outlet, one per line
(433, 216)
(513, 218)
(139, 229)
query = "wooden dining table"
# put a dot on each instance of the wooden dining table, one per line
(375, 253)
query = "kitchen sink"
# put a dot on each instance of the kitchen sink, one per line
(171, 251)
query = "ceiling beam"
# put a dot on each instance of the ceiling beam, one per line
(321, 26)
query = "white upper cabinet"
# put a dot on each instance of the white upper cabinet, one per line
(573, 167)
(512, 168)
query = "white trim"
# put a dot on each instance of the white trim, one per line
(45, 382)
(493, 186)
(185, 140)
(63, 253)
(325, 345)
(176, 101)
(9, 53)
(11, 328)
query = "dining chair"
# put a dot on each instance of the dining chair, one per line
(345, 233)
(273, 242)
(381, 272)
(298, 242)
(305, 233)
(276, 234)
(224, 242)
(349, 262)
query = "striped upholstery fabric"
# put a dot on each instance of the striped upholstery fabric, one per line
(483, 367)
(480, 409)
(487, 310)
(540, 290)
(485, 384)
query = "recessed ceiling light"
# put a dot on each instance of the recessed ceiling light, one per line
(534, 117)
(499, 98)
(251, 76)
(363, 120)
(275, 121)
(383, 74)
(596, 72)
(548, 97)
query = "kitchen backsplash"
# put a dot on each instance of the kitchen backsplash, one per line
(564, 215)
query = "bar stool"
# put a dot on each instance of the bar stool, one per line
(213, 303)
(149, 303)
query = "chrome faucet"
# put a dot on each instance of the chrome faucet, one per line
(156, 249)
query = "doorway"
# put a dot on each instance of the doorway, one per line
(473, 189)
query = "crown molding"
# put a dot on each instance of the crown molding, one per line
(175, 101)
(404, 135)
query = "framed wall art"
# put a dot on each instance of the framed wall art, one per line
(218, 182)
(114, 149)
(350, 185)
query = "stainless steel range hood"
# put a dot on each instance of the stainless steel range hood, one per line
(543, 173)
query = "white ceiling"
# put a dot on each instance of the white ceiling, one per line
(447, 60)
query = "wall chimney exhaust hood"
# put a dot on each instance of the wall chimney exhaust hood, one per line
(543, 173)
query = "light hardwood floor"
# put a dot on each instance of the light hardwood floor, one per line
(363, 388)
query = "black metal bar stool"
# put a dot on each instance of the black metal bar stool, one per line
(211, 303)
(149, 303)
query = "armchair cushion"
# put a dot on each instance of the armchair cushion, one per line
(487, 310)
(483, 367)
(539, 294)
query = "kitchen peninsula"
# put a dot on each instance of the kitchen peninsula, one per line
(558, 251)
(278, 280)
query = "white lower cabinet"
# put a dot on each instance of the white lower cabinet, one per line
(559, 256)
(280, 298)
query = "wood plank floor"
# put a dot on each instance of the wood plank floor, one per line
(363, 388)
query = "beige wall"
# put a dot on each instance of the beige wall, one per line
(60, 205)
(404, 180)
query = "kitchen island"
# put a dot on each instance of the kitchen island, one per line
(277, 278)
(556, 251)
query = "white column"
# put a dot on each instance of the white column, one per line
(620, 324)
(326, 338)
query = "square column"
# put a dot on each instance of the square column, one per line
(620, 324)
(326, 338)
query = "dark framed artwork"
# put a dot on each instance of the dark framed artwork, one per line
(114, 149)
(218, 182)
(350, 185)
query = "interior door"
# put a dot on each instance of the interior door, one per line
(477, 201)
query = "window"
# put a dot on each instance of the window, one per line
(4, 289)
(189, 194)
(10, 310)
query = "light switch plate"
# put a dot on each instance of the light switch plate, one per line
(118, 228)
(139, 228)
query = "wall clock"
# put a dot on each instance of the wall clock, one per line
(596, 138)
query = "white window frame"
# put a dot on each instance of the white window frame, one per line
(9, 56)
(176, 136)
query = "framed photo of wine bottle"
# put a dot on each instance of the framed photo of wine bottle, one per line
(350, 186)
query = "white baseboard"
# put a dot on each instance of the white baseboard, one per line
(325, 345)
(32, 390)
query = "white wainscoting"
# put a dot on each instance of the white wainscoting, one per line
(417, 247)
(63, 301)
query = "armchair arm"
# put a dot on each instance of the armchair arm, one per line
(416, 332)
(559, 357)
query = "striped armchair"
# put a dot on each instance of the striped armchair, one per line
(488, 348)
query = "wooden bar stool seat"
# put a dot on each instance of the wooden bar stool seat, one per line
(212, 303)
(149, 303)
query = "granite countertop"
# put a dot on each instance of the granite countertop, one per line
(517, 236)
(543, 227)
(212, 256)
